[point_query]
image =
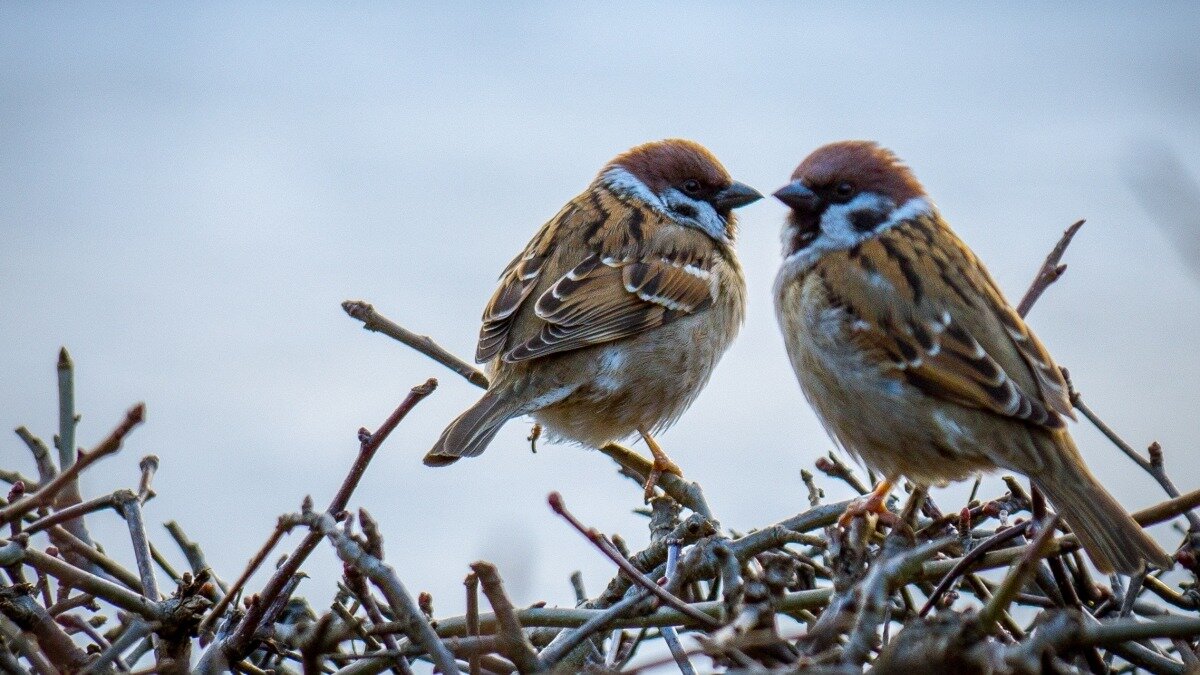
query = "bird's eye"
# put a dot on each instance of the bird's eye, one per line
(691, 186)
(844, 189)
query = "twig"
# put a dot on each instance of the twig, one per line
(685, 492)
(26, 646)
(46, 494)
(1016, 578)
(1050, 271)
(238, 643)
(556, 503)
(148, 467)
(831, 465)
(109, 501)
(281, 527)
(193, 553)
(668, 632)
(513, 644)
(1169, 509)
(90, 583)
(1152, 466)
(374, 321)
(131, 508)
(472, 584)
(586, 623)
(135, 631)
(47, 469)
(384, 577)
(68, 542)
(18, 604)
(885, 574)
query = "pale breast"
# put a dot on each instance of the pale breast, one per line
(647, 381)
(868, 412)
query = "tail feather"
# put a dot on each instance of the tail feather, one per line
(471, 432)
(1111, 537)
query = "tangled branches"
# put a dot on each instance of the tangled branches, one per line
(997, 585)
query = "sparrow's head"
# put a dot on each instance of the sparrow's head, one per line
(683, 180)
(844, 193)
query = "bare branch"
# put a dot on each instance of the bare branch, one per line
(45, 496)
(374, 321)
(1050, 271)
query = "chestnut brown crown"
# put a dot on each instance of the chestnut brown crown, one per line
(671, 163)
(858, 166)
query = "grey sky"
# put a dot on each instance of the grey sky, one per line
(188, 192)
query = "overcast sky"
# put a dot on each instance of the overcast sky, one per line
(187, 193)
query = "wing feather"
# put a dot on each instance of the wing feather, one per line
(960, 342)
(596, 273)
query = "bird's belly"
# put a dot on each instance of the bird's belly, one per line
(645, 382)
(889, 425)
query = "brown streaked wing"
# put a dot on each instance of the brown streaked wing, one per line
(948, 340)
(605, 299)
(520, 278)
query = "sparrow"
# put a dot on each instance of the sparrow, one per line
(611, 320)
(912, 358)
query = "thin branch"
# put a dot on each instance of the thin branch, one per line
(89, 583)
(46, 494)
(374, 321)
(1050, 271)
(193, 553)
(239, 642)
(513, 643)
(472, 585)
(1017, 577)
(131, 508)
(281, 528)
(1152, 466)
(556, 503)
(384, 577)
(47, 469)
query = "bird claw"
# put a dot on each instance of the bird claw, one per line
(662, 464)
(659, 468)
(534, 434)
(871, 504)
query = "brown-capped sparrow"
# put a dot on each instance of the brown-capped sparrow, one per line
(611, 320)
(912, 358)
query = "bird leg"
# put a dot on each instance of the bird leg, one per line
(662, 463)
(872, 503)
(534, 434)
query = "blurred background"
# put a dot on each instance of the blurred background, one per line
(187, 193)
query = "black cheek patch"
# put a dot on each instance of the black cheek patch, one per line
(685, 210)
(867, 220)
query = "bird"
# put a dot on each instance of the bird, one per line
(613, 317)
(911, 357)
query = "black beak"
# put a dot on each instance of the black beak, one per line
(798, 197)
(734, 196)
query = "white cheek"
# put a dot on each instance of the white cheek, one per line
(705, 219)
(619, 180)
(839, 234)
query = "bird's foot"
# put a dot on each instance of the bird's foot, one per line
(534, 434)
(662, 464)
(871, 504)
